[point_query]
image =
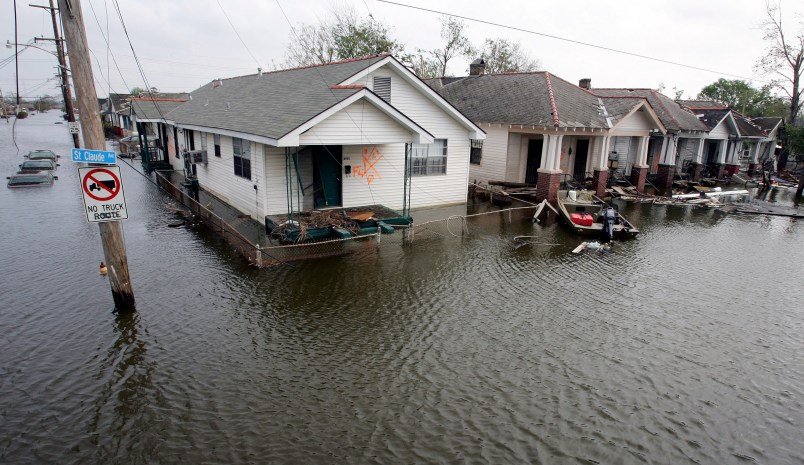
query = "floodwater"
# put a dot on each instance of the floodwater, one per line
(681, 346)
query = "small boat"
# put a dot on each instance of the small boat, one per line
(588, 215)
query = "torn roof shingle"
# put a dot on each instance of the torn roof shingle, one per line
(672, 115)
(273, 104)
(767, 123)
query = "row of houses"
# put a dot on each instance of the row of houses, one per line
(368, 131)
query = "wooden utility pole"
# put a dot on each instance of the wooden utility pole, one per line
(65, 77)
(114, 247)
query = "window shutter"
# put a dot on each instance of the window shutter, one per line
(382, 87)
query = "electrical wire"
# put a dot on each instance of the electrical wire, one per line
(572, 41)
(236, 33)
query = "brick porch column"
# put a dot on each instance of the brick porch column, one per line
(720, 170)
(599, 180)
(731, 169)
(664, 176)
(547, 186)
(697, 171)
(638, 175)
(752, 169)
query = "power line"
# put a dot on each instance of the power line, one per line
(236, 33)
(573, 41)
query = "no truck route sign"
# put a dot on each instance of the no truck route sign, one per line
(103, 194)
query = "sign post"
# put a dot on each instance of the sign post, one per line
(102, 190)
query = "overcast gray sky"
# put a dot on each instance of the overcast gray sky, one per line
(183, 44)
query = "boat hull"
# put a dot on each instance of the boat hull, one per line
(621, 229)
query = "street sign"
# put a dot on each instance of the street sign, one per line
(102, 190)
(73, 127)
(94, 156)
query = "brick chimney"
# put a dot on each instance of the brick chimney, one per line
(585, 83)
(477, 67)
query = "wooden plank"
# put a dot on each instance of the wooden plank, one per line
(580, 248)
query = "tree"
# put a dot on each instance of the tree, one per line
(784, 58)
(456, 43)
(506, 56)
(743, 97)
(137, 91)
(343, 36)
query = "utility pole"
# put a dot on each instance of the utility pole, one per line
(114, 247)
(16, 58)
(65, 77)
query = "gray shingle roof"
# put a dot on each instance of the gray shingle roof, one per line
(702, 104)
(671, 114)
(747, 128)
(148, 108)
(711, 118)
(271, 105)
(767, 123)
(523, 98)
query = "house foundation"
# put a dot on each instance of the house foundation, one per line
(599, 180)
(638, 176)
(547, 186)
(719, 170)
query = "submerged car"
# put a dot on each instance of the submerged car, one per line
(41, 155)
(29, 166)
(42, 178)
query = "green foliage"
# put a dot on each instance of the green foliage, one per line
(506, 56)
(795, 139)
(743, 97)
(354, 39)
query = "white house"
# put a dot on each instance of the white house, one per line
(542, 129)
(352, 133)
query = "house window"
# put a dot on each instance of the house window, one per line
(429, 159)
(216, 139)
(242, 157)
(476, 152)
(382, 87)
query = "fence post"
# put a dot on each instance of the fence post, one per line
(379, 233)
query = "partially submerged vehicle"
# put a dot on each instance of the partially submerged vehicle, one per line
(588, 215)
(42, 155)
(37, 179)
(30, 166)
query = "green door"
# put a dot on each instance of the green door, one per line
(327, 176)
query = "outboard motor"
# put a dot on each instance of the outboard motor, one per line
(609, 217)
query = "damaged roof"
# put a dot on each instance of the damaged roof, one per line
(271, 104)
(672, 115)
(155, 108)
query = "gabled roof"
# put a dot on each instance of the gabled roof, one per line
(673, 116)
(768, 123)
(273, 104)
(620, 108)
(711, 117)
(746, 127)
(532, 99)
(117, 101)
(702, 105)
(147, 108)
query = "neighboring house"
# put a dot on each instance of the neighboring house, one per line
(766, 148)
(542, 129)
(159, 141)
(678, 149)
(120, 122)
(731, 138)
(346, 134)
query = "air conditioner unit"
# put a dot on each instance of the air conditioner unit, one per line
(196, 156)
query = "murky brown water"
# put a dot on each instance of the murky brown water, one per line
(682, 346)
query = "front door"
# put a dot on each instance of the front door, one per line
(581, 154)
(534, 160)
(327, 176)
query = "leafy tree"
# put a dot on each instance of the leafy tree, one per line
(784, 58)
(137, 91)
(453, 31)
(743, 97)
(344, 35)
(506, 56)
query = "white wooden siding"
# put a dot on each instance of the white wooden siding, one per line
(436, 189)
(637, 121)
(218, 177)
(515, 162)
(359, 123)
(721, 131)
(493, 160)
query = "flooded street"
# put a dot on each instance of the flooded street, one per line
(681, 346)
